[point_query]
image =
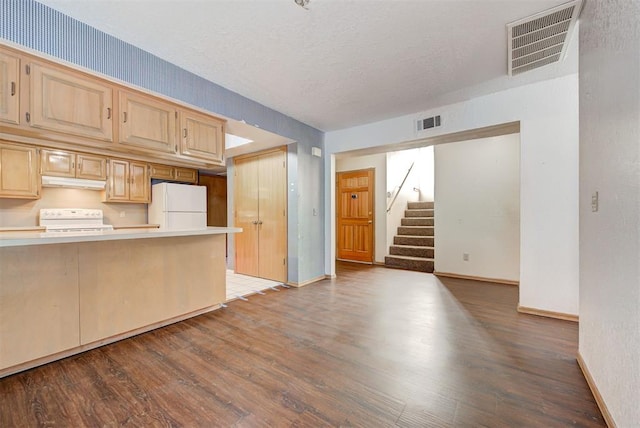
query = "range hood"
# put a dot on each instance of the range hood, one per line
(76, 183)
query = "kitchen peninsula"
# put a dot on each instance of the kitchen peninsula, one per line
(64, 294)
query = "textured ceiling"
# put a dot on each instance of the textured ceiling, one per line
(339, 64)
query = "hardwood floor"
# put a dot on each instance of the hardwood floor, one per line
(373, 348)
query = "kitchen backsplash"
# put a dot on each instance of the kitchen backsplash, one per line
(24, 212)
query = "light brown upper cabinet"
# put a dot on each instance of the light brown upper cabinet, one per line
(174, 173)
(66, 101)
(260, 197)
(128, 181)
(9, 88)
(61, 163)
(147, 123)
(19, 172)
(202, 136)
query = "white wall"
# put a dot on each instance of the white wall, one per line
(477, 210)
(548, 115)
(421, 178)
(610, 237)
(24, 212)
(379, 163)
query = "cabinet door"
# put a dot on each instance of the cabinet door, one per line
(186, 175)
(272, 224)
(140, 185)
(162, 172)
(9, 87)
(147, 123)
(19, 172)
(246, 215)
(118, 182)
(69, 102)
(57, 163)
(91, 167)
(202, 137)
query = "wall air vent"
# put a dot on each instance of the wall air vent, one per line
(542, 38)
(427, 123)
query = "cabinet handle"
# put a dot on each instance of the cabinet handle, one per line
(108, 112)
(259, 221)
(184, 133)
(125, 117)
(13, 88)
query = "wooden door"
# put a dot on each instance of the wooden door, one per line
(118, 183)
(355, 215)
(57, 163)
(19, 172)
(246, 215)
(272, 221)
(70, 102)
(91, 167)
(9, 87)
(147, 123)
(216, 199)
(202, 137)
(139, 182)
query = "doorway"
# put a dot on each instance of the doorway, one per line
(354, 215)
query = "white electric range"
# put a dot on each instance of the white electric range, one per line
(77, 220)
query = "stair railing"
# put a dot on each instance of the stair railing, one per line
(400, 188)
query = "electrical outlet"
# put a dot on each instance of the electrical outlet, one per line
(465, 257)
(123, 214)
(315, 211)
(594, 202)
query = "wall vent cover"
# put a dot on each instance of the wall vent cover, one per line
(541, 39)
(427, 123)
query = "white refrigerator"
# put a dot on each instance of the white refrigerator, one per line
(178, 206)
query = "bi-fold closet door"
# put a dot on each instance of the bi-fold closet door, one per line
(260, 199)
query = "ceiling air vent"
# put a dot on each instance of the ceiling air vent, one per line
(429, 122)
(542, 38)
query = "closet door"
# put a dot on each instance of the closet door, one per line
(246, 215)
(272, 223)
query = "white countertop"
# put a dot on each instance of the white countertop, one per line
(21, 238)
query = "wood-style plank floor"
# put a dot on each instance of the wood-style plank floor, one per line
(373, 348)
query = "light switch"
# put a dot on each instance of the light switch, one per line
(594, 202)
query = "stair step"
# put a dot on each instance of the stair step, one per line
(418, 213)
(417, 221)
(415, 230)
(420, 264)
(411, 250)
(419, 205)
(426, 241)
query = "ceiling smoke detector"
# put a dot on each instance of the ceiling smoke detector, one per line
(541, 39)
(302, 3)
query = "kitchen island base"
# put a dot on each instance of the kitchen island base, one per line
(57, 300)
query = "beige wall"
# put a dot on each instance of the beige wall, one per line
(21, 212)
(477, 210)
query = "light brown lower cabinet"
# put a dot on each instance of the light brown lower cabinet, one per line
(260, 198)
(81, 295)
(19, 172)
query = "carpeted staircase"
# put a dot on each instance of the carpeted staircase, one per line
(412, 247)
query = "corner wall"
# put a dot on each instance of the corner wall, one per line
(548, 115)
(610, 237)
